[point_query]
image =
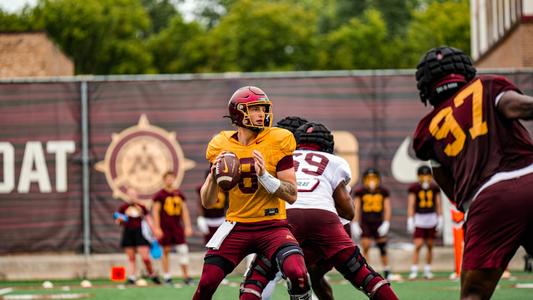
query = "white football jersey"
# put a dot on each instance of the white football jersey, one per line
(317, 175)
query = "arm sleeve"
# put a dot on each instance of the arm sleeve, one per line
(285, 163)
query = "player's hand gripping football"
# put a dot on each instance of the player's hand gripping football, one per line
(259, 163)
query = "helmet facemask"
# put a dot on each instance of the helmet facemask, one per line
(247, 122)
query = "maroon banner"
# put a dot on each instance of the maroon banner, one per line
(40, 179)
(140, 129)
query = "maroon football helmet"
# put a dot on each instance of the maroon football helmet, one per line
(244, 98)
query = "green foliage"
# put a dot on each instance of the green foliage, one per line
(99, 35)
(262, 36)
(359, 44)
(442, 23)
(151, 36)
(175, 48)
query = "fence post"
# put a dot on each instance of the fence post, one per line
(85, 167)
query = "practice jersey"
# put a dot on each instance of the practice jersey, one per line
(318, 174)
(471, 139)
(172, 203)
(248, 200)
(372, 204)
(219, 209)
(425, 198)
(135, 213)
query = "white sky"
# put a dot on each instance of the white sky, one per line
(15, 5)
(11, 6)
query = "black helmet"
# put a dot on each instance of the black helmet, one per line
(437, 64)
(371, 171)
(291, 123)
(423, 170)
(315, 134)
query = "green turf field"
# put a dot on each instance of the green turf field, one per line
(438, 288)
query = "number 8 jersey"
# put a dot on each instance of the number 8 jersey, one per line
(248, 200)
(318, 174)
(471, 139)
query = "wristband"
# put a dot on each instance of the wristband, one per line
(269, 182)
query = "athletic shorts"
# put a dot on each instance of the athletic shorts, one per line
(133, 237)
(319, 232)
(499, 221)
(172, 236)
(263, 237)
(425, 233)
(370, 230)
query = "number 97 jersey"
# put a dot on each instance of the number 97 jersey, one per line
(318, 174)
(471, 139)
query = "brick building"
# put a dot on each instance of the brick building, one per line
(502, 33)
(32, 54)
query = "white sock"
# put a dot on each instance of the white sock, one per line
(427, 268)
(166, 276)
(414, 269)
(132, 277)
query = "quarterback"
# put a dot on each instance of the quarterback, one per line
(256, 216)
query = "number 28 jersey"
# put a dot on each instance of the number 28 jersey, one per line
(318, 174)
(471, 139)
(248, 200)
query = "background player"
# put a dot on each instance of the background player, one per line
(256, 216)
(172, 224)
(209, 219)
(130, 217)
(322, 192)
(483, 159)
(372, 215)
(424, 218)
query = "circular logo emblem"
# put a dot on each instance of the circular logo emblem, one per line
(139, 156)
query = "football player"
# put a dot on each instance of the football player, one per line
(372, 215)
(209, 219)
(172, 226)
(482, 158)
(256, 218)
(314, 218)
(424, 217)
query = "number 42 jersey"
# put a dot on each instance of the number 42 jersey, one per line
(318, 174)
(471, 139)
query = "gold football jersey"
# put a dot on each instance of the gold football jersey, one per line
(248, 200)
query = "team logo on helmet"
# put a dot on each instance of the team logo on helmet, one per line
(441, 71)
(138, 157)
(242, 100)
(315, 134)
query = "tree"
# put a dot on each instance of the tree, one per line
(359, 44)
(160, 12)
(440, 23)
(101, 36)
(177, 48)
(262, 36)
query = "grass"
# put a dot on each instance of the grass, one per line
(438, 288)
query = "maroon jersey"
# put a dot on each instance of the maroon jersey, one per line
(471, 139)
(425, 198)
(135, 213)
(219, 209)
(171, 208)
(372, 204)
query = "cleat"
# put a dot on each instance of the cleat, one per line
(413, 275)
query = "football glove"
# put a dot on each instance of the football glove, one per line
(411, 225)
(356, 230)
(383, 229)
(202, 225)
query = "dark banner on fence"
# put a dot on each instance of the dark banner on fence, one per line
(139, 129)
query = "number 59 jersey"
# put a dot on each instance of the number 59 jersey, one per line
(471, 139)
(318, 174)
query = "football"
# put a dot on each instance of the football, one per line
(228, 171)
